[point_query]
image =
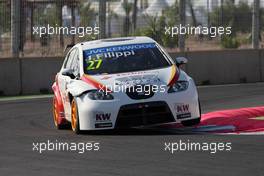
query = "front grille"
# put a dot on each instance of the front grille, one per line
(138, 92)
(141, 114)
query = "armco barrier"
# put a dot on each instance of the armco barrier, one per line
(261, 63)
(27, 75)
(225, 66)
(40, 78)
(35, 75)
(9, 77)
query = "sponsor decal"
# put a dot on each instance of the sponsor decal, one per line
(102, 117)
(106, 77)
(140, 79)
(116, 55)
(95, 57)
(138, 73)
(182, 108)
(103, 125)
(182, 111)
(103, 120)
(120, 48)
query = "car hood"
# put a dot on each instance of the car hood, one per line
(161, 76)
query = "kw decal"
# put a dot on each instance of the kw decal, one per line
(182, 111)
(102, 117)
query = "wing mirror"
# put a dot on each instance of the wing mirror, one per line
(68, 72)
(181, 61)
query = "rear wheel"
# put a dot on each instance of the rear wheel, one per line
(56, 115)
(75, 117)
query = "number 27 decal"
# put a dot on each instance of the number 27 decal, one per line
(94, 64)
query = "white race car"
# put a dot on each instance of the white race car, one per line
(123, 83)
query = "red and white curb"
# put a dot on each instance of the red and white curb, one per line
(243, 121)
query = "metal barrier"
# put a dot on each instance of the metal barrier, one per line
(36, 75)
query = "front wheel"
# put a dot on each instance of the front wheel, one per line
(75, 117)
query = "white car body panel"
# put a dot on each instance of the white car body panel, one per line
(87, 113)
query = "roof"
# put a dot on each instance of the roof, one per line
(114, 42)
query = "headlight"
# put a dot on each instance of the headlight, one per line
(99, 95)
(179, 86)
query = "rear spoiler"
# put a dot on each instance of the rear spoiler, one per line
(68, 47)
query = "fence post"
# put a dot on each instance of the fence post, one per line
(73, 21)
(102, 18)
(134, 16)
(15, 27)
(255, 25)
(0, 38)
(182, 22)
(59, 13)
(1, 31)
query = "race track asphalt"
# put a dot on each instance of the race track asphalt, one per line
(133, 152)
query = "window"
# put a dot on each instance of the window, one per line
(124, 58)
(75, 64)
(70, 59)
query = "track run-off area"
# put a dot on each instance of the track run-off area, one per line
(27, 121)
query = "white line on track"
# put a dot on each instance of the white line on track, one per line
(231, 85)
(29, 97)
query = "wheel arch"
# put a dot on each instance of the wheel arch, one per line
(70, 97)
(59, 108)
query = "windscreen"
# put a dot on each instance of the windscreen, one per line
(123, 58)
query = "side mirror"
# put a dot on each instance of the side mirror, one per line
(181, 61)
(68, 72)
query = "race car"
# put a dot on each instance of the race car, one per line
(123, 83)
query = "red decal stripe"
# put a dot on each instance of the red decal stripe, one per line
(175, 77)
(88, 79)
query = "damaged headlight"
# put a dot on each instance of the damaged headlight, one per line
(99, 95)
(179, 86)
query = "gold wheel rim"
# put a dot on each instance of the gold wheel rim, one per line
(74, 116)
(55, 113)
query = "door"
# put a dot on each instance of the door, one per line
(63, 81)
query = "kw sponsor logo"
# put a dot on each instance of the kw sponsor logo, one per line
(182, 111)
(182, 108)
(103, 117)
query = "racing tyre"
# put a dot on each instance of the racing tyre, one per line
(75, 117)
(59, 124)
